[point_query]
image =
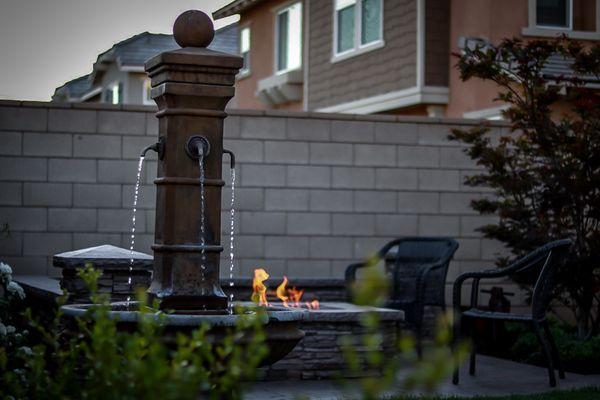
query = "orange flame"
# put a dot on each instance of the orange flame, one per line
(259, 290)
(281, 291)
(295, 296)
(290, 297)
(313, 305)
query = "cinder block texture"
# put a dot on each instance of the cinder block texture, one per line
(97, 146)
(23, 169)
(71, 170)
(11, 143)
(80, 121)
(11, 193)
(47, 194)
(47, 144)
(121, 122)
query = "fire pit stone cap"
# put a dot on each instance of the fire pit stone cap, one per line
(348, 312)
(274, 314)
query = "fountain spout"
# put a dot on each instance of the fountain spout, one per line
(231, 158)
(197, 147)
(158, 147)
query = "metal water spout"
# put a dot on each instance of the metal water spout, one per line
(191, 87)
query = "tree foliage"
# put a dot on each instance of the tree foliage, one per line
(546, 171)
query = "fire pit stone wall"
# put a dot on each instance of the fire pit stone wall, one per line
(319, 355)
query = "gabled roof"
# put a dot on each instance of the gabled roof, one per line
(73, 90)
(131, 54)
(235, 7)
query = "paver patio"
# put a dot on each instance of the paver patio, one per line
(495, 377)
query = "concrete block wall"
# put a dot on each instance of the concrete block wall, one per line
(314, 192)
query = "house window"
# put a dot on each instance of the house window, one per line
(554, 13)
(146, 94)
(245, 50)
(289, 38)
(114, 93)
(358, 25)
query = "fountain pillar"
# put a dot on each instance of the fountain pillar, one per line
(191, 87)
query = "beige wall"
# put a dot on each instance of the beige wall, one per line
(315, 191)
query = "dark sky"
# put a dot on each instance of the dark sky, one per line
(44, 43)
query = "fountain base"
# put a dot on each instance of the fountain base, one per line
(282, 325)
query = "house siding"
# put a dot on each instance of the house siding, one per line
(437, 46)
(388, 69)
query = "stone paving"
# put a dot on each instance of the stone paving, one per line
(495, 377)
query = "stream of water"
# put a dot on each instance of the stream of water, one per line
(231, 237)
(202, 219)
(133, 215)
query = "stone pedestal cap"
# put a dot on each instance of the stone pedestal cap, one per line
(103, 257)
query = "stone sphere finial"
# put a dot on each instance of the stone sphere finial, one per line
(193, 28)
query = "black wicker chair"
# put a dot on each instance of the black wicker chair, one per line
(418, 267)
(546, 260)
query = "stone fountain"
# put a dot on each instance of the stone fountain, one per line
(191, 87)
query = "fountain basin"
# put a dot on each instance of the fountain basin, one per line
(282, 325)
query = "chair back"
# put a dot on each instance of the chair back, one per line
(409, 258)
(551, 257)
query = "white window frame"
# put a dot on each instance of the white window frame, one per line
(146, 99)
(278, 12)
(247, 69)
(358, 48)
(569, 27)
(553, 31)
(112, 86)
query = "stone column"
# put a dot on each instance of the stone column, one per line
(191, 87)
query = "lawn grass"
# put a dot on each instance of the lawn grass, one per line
(576, 394)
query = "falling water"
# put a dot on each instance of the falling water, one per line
(231, 236)
(202, 227)
(133, 213)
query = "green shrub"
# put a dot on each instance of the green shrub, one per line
(99, 361)
(575, 354)
(12, 336)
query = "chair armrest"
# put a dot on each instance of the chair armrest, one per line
(350, 277)
(457, 288)
(350, 274)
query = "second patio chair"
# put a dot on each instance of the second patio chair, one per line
(418, 267)
(546, 260)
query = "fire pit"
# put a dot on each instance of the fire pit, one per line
(319, 355)
(191, 87)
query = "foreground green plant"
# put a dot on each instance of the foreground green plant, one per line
(12, 336)
(381, 371)
(99, 361)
